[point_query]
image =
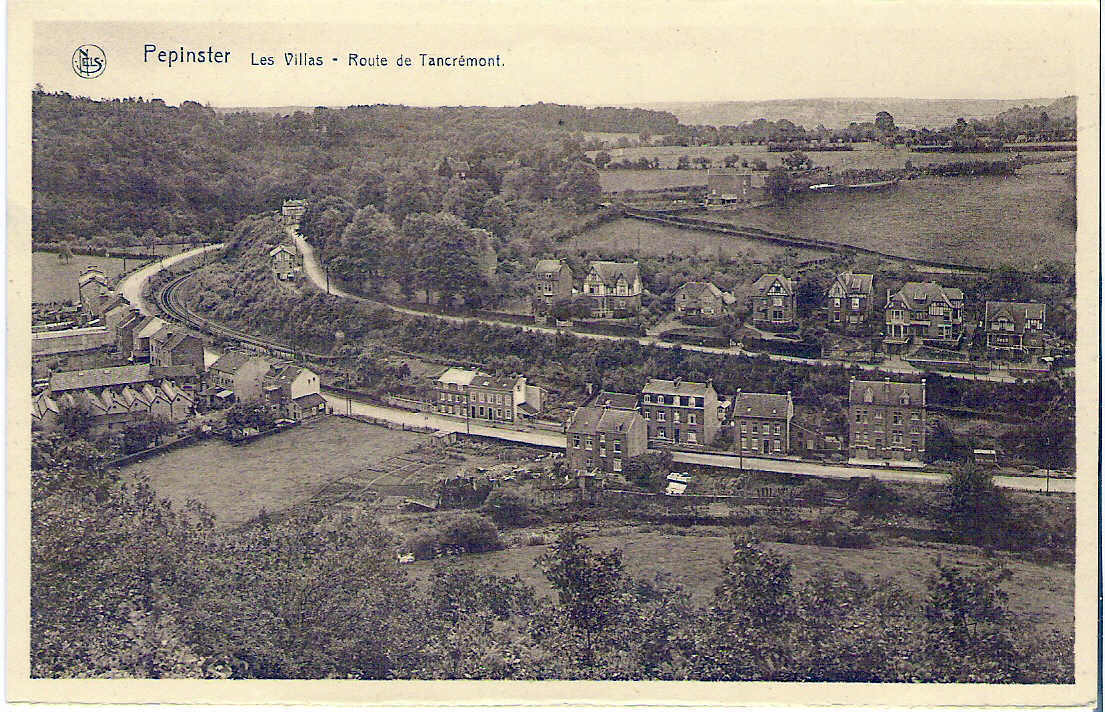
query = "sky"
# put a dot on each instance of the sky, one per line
(623, 53)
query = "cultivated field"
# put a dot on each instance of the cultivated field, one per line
(54, 281)
(623, 237)
(984, 220)
(618, 181)
(275, 472)
(1040, 595)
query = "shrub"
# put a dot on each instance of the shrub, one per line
(535, 540)
(424, 545)
(872, 497)
(509, 509)
(469, 534)
(812, 492)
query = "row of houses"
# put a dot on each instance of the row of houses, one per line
(886, 423)
(496, 400)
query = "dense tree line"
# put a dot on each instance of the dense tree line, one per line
(104, 166)
(125, 585)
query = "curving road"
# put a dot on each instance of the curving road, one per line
(133, 284)
(317, 276)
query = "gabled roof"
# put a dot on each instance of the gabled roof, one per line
(918, 295)
(131, 321)
(766, 281)
(163, 334)
(610, 272)
(681, 388)
(99, 377)
(92, 273)
(504, 383)
(696, 290)
(281, 248)
(886, 392)
(283, 373)
(233, 361)
(1016, 312)
(176, 340)
(622, 401)
(856, 282)
(547, 266)
(149, 327)
(311, 400)
(589, 420)
(761, 405)
(457, 376)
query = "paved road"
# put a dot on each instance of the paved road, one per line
(132, 286)
(341, 404)
(316, 274)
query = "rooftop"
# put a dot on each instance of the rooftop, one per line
(99, 377)
(678, 387)
(589, 420)
(622, 401)
(886, 392)
(762, 405)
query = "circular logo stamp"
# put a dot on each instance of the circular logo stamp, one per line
(89, 61)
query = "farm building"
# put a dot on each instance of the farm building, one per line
(730, 185)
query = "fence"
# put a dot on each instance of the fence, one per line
(387, 423)
(150, 452)
(409, 404)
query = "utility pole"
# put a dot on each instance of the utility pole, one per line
(327, 281)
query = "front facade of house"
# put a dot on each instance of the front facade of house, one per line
(285, 262)
(699, 299)
(926, 313)
(494, 399)
(554, 281)
(286, 384)
(851, 301)
(680, 412)
(292, 211)
(1015, 328)
(886, 421)
(604, 438)
(773, 302)
(762, 423)
(613, 287)
(176, 349)
(239, 372)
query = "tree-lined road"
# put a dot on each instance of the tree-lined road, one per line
(134, 284)
(317, 276)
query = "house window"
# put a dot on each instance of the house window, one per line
(575, 441)
(859, 417)
(589, 441)
(744, 443)
(755, 429)
(508, 413)
(675, 417)
(699, 402)
(499, 412)
(660, 415)
(776, 301)
(662, 433)
(602, 452)
(836, 303)
(617, 465)
(754, 443)
(897, 418)
(690, 419)
(878, 415)
(778, 444)
(855, 302)
(617, 447)
(645, 413)
(897, 438)
(744, 426)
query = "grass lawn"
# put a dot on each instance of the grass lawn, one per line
(54, 281)
(619, 180)
(274, 472)
(1040, 595)
(622, 237)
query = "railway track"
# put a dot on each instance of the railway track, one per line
(167, 302)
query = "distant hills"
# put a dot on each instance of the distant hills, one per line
(838, 113)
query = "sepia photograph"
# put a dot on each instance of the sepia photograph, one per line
(727, 343)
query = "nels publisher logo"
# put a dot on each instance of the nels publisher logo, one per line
(89, 61)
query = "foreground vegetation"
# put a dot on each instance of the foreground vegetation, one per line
(124, 584)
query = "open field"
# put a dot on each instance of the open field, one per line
(1040, 595)
(624, 235)
(617, 181)
(275, 472)
(983, 220)
(862, 155)
(54, 281)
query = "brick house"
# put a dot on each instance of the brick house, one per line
(176, 348)
(851, 301)
(679, 411)
(295, 389)
(604, 438)
(285, 262)
(95, 294)
(1015, 328)
(238, 372)
(924, 312)
(886, 421)
(762, 423)
(292, 211)
(613, 287)
(554, 281)
(700, 299)
(773, 302)
(495, 399)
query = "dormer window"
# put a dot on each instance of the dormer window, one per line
(905, 399)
